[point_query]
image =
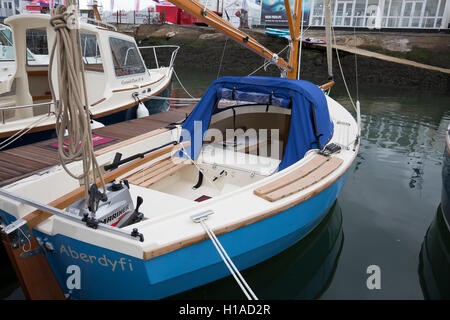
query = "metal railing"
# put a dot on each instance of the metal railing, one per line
(3, 109)
(172, 57)
(98, 22)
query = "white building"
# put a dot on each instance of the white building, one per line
(413, 14)
(8, 8)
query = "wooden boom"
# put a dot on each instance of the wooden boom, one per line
(209, 17)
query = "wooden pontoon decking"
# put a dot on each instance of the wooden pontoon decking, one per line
(21, 162)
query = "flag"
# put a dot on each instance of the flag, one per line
(137, 5)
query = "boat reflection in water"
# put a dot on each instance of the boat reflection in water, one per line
(434, 262)
(434, 266)
(303, 271)
(445, 203)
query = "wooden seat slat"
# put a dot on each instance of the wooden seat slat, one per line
(315, 176)
(163, 175)
(295, 175)
(147, 173)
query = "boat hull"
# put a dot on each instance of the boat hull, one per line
(106, 274)
(445, 199)
(434, 260)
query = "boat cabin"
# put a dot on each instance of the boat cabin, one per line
(243, 130)
(114, 69)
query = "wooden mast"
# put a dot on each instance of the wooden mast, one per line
(294, 21)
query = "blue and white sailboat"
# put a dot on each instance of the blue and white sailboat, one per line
(252, 170)
(257, 202)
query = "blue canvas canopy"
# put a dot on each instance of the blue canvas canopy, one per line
(310, 124)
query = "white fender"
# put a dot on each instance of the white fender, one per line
(96, 124)
(142, 111)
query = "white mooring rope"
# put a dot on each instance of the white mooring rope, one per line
(227, 260)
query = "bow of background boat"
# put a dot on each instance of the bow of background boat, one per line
(116, 75)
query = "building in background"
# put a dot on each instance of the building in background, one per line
(273, 12)
(361, 14)
(8, 8)
(380, 14)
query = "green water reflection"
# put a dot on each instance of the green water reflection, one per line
(391, 194)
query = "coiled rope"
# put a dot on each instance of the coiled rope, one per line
(72, 112)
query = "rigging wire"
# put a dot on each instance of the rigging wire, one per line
(342, 71)
(267, 63)
(221, 59)
(19, 134)
(179, 81)
(300, 44)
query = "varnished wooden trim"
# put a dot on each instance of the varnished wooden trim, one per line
(36, 278)
(126, 89)
(149, 84)
(164, 249)
(317, 175)
(161, 174)
(299, 173)
(44, 97)
(37, 73)
(327, 85)
(97, 102)
(94, 67)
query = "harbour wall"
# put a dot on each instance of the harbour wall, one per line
(202, 49)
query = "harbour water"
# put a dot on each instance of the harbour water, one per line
(390, 199)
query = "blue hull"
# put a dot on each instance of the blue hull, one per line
(434, 260)
(106, 274)
(153, 106)
(445, 201)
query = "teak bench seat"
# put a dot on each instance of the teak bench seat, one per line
(311, 172)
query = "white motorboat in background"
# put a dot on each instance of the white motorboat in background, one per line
(116, 75)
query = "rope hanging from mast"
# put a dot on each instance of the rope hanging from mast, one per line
(72, 109)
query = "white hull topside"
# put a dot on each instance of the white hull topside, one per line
(113, 102)
(168, 216)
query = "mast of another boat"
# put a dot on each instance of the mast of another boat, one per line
(328, 39)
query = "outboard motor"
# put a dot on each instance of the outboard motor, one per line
(116, 209)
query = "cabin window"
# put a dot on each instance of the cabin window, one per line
(36, 40)
(126, 57)
(91, 52)
(6, 45)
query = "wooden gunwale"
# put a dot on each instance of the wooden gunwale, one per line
(176, 245)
